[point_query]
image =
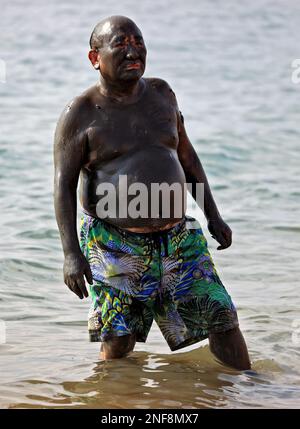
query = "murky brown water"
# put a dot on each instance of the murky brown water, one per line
(52, 366)
(146, 380)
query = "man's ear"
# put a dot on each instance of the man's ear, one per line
(94, 58)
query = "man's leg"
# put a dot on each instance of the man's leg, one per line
(117, 347)
(230, 348)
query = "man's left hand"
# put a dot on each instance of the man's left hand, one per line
(221, 232)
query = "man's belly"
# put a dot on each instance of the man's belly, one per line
(136, 193)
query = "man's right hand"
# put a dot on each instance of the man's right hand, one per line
(75, 268)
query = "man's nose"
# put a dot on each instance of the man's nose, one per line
(131, 53)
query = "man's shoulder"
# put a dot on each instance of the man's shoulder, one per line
(80, 102)
(77, 109)
(162, 87)
(158, 83)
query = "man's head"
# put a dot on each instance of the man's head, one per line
(118, 49)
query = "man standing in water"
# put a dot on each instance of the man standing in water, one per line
(149, 266)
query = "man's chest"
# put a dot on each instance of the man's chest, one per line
(115, 131)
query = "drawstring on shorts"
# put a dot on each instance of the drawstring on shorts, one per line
(159, 238)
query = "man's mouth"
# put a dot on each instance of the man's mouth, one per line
(134, 65)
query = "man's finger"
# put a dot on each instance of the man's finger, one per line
(222, 241)
(222, 247)
(72, 284)
(69, 282)
(89, 275)
(77, 291)
(225, 242)
(228, 237)
(227, 234)
(81, 285)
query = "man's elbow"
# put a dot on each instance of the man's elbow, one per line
(64, 183)
(188, 164)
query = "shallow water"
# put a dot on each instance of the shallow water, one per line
(230, 66)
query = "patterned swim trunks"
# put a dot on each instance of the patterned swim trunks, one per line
(168, 276)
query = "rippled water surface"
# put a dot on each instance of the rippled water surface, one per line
(230, 66)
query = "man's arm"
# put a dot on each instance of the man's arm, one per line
(69, 149)
(194, 173)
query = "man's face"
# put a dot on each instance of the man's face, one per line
(123, 55)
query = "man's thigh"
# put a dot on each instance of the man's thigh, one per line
(195, 301)
(115, 316)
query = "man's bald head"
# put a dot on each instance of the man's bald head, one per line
(105, 28)
(118, 50)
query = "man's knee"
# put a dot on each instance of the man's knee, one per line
(117, 347)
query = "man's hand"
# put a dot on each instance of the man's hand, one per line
(221, 232)
(75, 268)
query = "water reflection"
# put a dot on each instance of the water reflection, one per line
(144, 380)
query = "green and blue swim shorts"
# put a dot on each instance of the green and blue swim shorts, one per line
(168, 276)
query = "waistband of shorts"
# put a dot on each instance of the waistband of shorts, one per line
(174, 230)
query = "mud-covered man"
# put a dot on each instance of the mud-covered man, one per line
(147, 267)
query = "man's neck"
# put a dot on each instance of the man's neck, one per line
(121, 92)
